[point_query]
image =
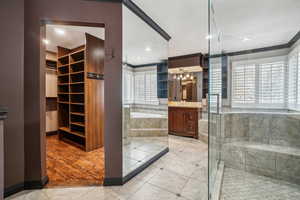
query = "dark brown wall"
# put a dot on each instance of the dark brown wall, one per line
(22, 81)
(77, 11)
(185, 61)
(11, 87)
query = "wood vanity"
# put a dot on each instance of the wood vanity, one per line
(183, 121)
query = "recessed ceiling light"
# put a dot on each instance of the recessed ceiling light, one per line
(46, 41)
(59, 31)
(245, 39)
(148, 49)
(208, 37)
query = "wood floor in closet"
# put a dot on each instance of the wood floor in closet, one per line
(68, 165)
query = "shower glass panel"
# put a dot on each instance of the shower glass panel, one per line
(145, 84)
(254, 125)
(214, 98)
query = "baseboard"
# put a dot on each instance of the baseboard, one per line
(112, 181)
(145, 165)
(49, 133)
(13, 189)
(27, 185)
(30, 185)
(121, 181)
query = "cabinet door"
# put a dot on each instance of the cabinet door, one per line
(190, 120)
(179, 121)
(176, 117)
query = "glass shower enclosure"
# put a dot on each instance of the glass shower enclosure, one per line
(254, 100)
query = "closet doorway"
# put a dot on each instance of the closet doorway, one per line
(74, 64)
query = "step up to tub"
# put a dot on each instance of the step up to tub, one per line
(137, 123)
(148, 132)
(263, 159)
(203, 130)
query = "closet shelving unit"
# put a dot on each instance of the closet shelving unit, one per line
(80, 97)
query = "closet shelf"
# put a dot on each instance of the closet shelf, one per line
(65, 65)
(77, 113)
(63, 102)
(75, 83)
(79, 72)
(79, 51)
(62, 57)
(78, 124)
(59, 84)
(80, 104)
(62, 75)
(76, 62)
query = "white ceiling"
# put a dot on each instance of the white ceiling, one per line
(264, 22)
(138, 37)
(73, 36)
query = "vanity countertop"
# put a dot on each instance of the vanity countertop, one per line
(185, 104)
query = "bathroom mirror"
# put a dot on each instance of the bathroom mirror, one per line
(185, 85)
(145, 86)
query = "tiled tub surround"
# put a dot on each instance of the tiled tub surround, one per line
(145, 135)
(262, 143)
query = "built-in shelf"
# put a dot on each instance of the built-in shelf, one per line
(73, 111)
(78, 124)
(77, 113)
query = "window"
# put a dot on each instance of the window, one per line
(259, 83)
(140, 85)
(215, 77)
(271, 83)
(243, 84)
(128, 91)
(145, 87)
(293, 98)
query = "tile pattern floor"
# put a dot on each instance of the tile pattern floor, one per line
(179, 175)
(68, 165)
(139, 150)
(240, 185)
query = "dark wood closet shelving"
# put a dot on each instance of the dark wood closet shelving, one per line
(80, 99)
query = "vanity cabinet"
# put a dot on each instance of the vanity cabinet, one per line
(184, 121)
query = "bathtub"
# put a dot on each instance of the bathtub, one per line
(146, 115)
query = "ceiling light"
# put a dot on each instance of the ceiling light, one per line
(148, 49)
(208, 37)
(59, 31)
(46, 41)
(245, 39)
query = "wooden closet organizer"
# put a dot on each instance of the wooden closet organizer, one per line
(81, 94)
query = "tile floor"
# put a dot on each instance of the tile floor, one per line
(139, 150)
(179, 175)
(240, 185)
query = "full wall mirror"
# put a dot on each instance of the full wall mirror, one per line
(145, 90)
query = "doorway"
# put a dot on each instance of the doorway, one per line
(74, 92)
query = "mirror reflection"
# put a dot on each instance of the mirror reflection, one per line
(145, 86)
